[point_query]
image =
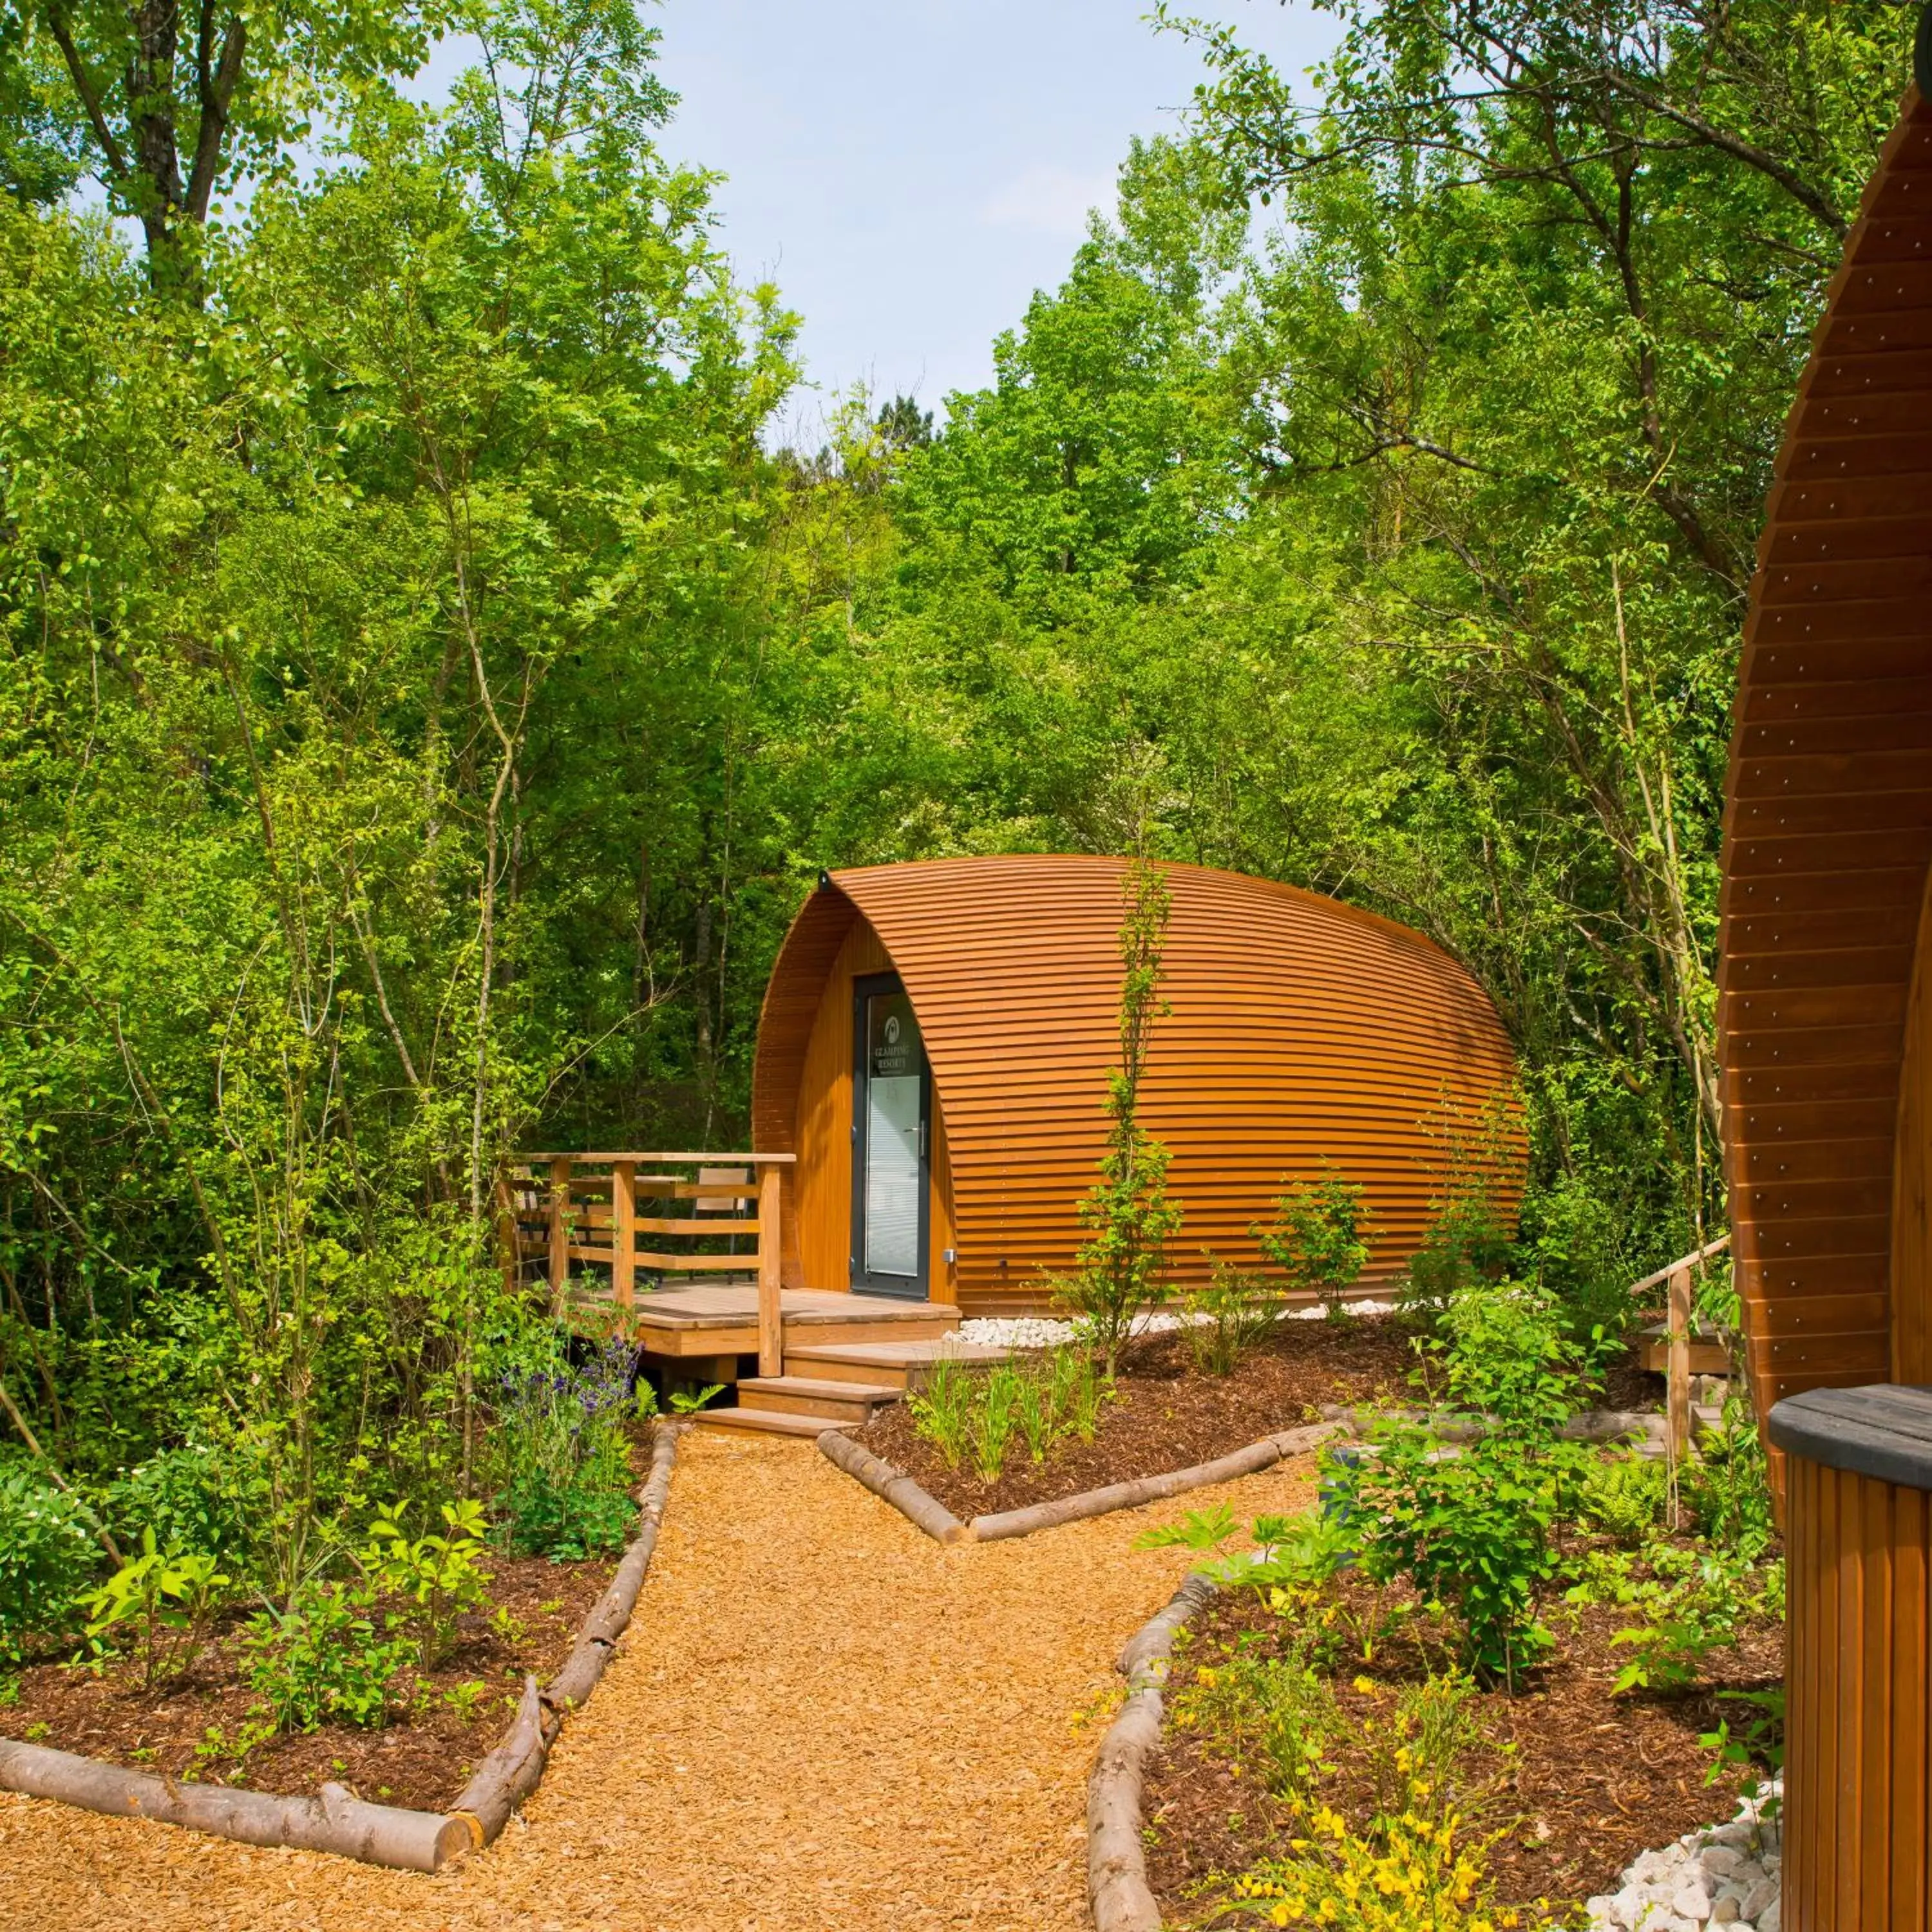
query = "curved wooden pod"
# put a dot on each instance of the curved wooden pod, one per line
(1300, 1030)
(1826, 1060)
(1825, 1047)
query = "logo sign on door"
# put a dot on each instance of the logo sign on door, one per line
(892, 1042)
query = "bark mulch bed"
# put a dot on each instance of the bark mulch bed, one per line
(1165, 1414)
(1581, 1781)
(422, 1763)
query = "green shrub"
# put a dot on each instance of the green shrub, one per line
(1687, 1616)
(1316, 1239)
(1127, 1214)
(161, 1605)
(1467, 1242)
(187, 1497)
(1471, 1527)
(439, 1573)
(1225, 1320)
(942, 1410)
(322, 1661)
(48, 1556)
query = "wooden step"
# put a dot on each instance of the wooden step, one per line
(766, 1422)
(921, 1322)
(840, 1402)
(886, 1365)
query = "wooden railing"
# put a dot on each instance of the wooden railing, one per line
(1676, 1281)
(558, 1208)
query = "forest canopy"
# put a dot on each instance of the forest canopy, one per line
(425, 698)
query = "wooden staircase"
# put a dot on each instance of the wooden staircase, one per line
(838, 1375)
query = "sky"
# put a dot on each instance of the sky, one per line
(908, 171)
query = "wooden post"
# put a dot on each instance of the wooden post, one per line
(560, 1231)
(771, 1312)
(624, 1233)
(1678, 1331)
(507, 1255)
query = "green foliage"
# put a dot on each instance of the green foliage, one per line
(1292, 1556)
(1624, 1497)
(48, 1555)
(1471, 1530)
(558, 1451)
(1223, 1321)
(189, 1498)
(1471, 1525)
(1687, 1616)
(972, 1417)
(323, 1661)
(1727, 1485)
(161, 1607)
(439, 1573)
(1128, 1214)
(688, 1402)
(1758, 1743)
(1467, 1243)
(1277, 1714)
(1316, 1239)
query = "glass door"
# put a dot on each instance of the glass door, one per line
(891, 1098)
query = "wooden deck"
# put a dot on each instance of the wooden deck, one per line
(721, 1318)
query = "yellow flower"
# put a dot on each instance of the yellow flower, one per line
(1366, 1685)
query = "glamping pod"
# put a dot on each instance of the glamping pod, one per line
(1825, 1047)
(935, 1044)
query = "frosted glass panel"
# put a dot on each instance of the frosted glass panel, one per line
(892, 1176)
(893, 1080)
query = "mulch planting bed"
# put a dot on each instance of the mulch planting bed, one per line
(1165, 1414)
(421, 1764)
(1581, 1781)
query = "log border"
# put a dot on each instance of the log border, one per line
(335, 1820)
(1118, 1896)
(919, 1507)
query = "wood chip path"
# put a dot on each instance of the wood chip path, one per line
(820, 1720)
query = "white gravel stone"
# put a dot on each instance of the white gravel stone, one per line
(1724, 1875)
(1691, 1901)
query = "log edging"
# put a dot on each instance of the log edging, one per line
(893, 1486)
(1118, 1892)
(336, 1821)
(918, 1506)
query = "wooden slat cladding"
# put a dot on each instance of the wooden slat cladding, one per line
(1857, 1817)
(1300, 1030)
(1828, 833)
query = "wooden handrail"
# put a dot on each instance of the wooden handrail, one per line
(566, 1228)
(723, 1154)
(1683, 1262)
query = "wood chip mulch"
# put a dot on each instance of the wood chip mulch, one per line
(1582, 1780)
(1166, 1415)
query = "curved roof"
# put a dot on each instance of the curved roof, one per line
(1300, 1029)
(1828, 828)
